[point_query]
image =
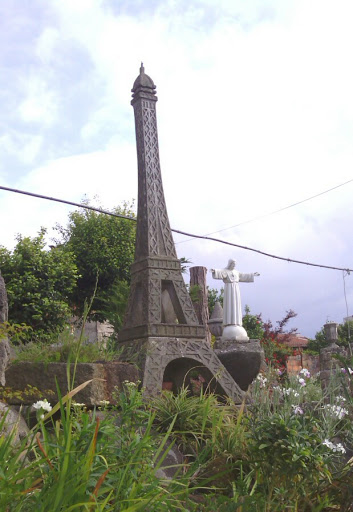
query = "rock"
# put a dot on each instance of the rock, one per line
(13, 420)
(108, 376)
(4, 358)
(4, 308)
(171, 461)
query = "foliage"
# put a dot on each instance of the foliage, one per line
(184, 264)
(253, 325)
(103, 246)
(38, 284)
(214, 296)
(65, 346)
(279, 453)
(8, 394)
(113, 304)
(271, 337)
(16, 332)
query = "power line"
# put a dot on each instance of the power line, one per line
(273, 213)
(203, 237)
(289, 260)
(99, 210)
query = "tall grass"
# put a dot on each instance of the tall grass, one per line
(272, 454)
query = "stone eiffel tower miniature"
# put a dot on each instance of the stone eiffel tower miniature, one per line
(160, 324)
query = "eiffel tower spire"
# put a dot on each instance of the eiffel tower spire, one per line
(159, 303)
(153, 236)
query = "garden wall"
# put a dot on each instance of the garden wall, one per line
(296, 363)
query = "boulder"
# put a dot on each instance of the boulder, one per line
(169, 463)
(13, 420)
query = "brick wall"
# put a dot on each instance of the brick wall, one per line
(296, 363)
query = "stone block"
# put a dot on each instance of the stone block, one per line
(242, 360)
(107, 377)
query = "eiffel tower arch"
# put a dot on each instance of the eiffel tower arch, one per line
(160, 323)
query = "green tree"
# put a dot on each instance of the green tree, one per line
(214, 296)
(38, 284)
(253, 325)
(103, 246)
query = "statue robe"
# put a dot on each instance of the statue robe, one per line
(232, 313)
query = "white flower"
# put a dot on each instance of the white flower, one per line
(350, 371)
(340, 448)
(340, 399)
(334, 447)
(336, 410)
(262, 380)
(43, 405)
(104, 402)
(290, 391)
(297, 409)
(301, 382)
(278, 389)
(305, 372)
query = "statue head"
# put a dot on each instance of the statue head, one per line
(231, 264)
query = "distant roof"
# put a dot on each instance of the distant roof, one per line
(293, 340)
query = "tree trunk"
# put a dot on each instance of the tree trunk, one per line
(199, 296)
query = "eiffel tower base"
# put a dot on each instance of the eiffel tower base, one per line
(155, 353)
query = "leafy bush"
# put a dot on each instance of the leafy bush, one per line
(38, 284)
(63, 347)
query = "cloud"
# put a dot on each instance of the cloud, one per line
(23, 146)
(40, 104)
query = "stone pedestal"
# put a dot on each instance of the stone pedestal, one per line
(328, 363)
(242, 359)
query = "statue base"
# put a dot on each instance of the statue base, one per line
(234, 333)
(243, 360)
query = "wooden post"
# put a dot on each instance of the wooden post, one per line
(199, 296)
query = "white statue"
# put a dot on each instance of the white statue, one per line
(232, 314)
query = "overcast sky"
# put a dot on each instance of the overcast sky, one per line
(255, 113)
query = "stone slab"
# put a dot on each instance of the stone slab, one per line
(107, 377)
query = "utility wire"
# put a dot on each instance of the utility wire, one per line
(272, 213)
(99, 210)
(203, 237)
